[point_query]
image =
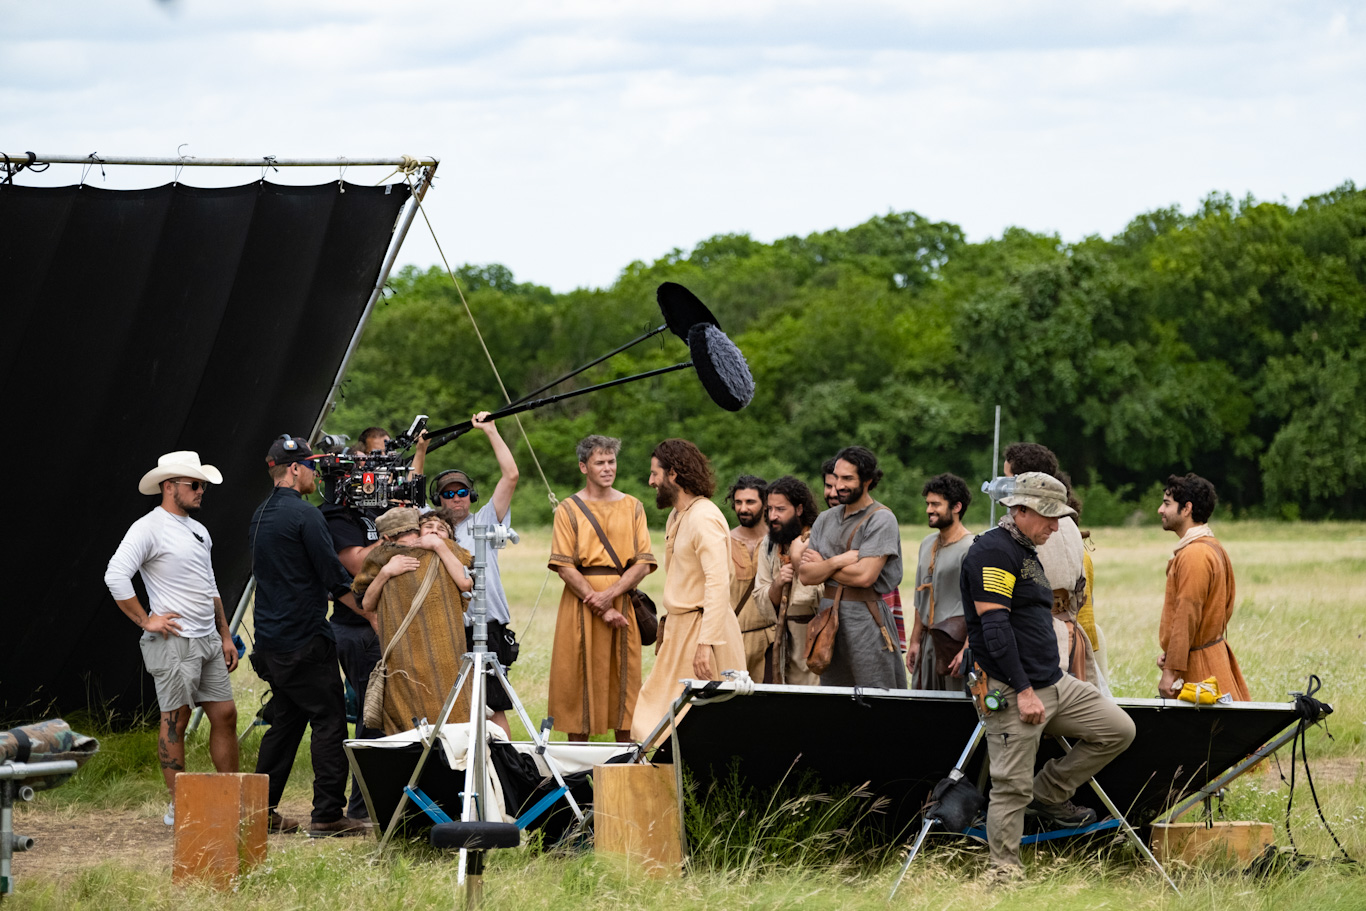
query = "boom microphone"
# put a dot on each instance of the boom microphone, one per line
(720, 366)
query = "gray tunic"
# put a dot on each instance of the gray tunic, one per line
(948, 602)
(861, 656)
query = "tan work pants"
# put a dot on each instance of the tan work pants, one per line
(1098, 729)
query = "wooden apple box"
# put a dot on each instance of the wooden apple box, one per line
(220, 826)
(1222, 842)
(635, 815)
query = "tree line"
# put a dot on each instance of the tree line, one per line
(1227, 341)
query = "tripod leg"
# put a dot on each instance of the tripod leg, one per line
(1124, 823)
(427, 742)
(539, 740)
(915, 849)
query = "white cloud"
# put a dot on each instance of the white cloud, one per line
(577, 136)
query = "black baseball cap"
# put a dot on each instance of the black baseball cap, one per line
(286, 450)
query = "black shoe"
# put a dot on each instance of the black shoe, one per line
(1065, 815)
(343, 826)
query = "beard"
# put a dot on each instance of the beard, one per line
(786, 532)
(748, 520)
(665, 494)
(190, 506)
(846, 497)
(942, 522)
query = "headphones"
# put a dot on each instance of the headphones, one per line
(434, 489)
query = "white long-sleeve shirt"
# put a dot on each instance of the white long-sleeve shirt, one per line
(173, 553)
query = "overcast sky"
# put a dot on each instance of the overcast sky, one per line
(576, 137)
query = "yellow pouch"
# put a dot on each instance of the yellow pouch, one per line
(1206, 692)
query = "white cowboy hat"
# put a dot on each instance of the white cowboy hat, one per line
(182, 464)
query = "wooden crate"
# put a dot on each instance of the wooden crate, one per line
(635, 815)
(1223, 842)
(220, 826)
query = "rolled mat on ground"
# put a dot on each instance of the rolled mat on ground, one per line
(46, 741)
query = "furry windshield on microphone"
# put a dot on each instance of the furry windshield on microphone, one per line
(721, 367)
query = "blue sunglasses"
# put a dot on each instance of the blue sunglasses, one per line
(452, 494)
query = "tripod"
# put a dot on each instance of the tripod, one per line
(476, 667)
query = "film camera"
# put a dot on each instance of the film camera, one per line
(376, 480)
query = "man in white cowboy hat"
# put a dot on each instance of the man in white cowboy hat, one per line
(185, 641)
(1008, 606)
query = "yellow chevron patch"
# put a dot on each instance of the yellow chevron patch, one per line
(998, 581)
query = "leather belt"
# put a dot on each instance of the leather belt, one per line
(1209, 644)
(850, 593)
(597, 571)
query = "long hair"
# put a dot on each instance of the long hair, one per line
(692, 469)
(798, 494)
(864, 462)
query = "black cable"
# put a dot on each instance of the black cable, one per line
(1311, 711)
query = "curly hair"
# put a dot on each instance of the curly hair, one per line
(1196, 491)
(692, 469)
(747, 482)
(864, 462)
(799, 495)
(952, 488)
(1031, 457)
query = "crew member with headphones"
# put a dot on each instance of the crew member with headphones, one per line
(454, 495)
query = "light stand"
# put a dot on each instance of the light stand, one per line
(476, 666)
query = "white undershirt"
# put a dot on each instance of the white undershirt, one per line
(173, 553)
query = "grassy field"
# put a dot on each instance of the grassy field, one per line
(1302, 610)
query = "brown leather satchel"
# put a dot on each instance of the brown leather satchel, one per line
(820, 634)
(647, 615)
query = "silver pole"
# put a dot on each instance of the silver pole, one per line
(995, 456)
(977, 734)
(404, 222)
(1223, 780)
(190, 161)
(233, 624)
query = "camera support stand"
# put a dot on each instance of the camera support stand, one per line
(476, 667)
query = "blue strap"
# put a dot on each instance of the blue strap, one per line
(1101, 826)
(542, 805)
(426, 805)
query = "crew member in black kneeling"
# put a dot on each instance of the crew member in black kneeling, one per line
(296, 570)
(1009, 611)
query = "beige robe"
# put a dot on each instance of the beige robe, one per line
(758, 628)
(802, 603)
(594, 667)
(697, 603)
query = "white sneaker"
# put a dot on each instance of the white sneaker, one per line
(169, 818)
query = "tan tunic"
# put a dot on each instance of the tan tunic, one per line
(697, 604)
(758, 627)
(594, 667)
(802, 602)
(425, 662)
(1195, 617)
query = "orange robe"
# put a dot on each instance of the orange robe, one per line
(594, 667)
(1195, 617)
(698, 606)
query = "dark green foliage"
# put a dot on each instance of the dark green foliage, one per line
(1228, 342)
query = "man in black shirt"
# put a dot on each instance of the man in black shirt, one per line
(1009, 611)
(296, 570)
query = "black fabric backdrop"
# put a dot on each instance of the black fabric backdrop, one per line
(137, 323)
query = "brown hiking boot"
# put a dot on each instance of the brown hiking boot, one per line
(343, 826)
(1065, 815)
(283, 825)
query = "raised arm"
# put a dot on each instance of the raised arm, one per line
(507, 466)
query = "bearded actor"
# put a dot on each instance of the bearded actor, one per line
(1200, 595)
(757, 625)
(934, 656)
(791, 508)
(702, 638)
(855, 553)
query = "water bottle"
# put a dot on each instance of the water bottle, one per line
(999, 488)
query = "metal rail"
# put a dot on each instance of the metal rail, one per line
(191, 161)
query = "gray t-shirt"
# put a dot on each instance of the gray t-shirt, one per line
(948, 565)
(878, 537)
(464, 536)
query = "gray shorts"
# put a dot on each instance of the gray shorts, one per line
(186, 671)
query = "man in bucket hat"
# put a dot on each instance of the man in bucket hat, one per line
(1009, 611)
(185, 642)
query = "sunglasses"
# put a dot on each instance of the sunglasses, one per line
(194, 485)
(452, 494)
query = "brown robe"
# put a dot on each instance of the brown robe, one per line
(424, 664)
(594, 667)
(758, 627)
(1195, 617)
